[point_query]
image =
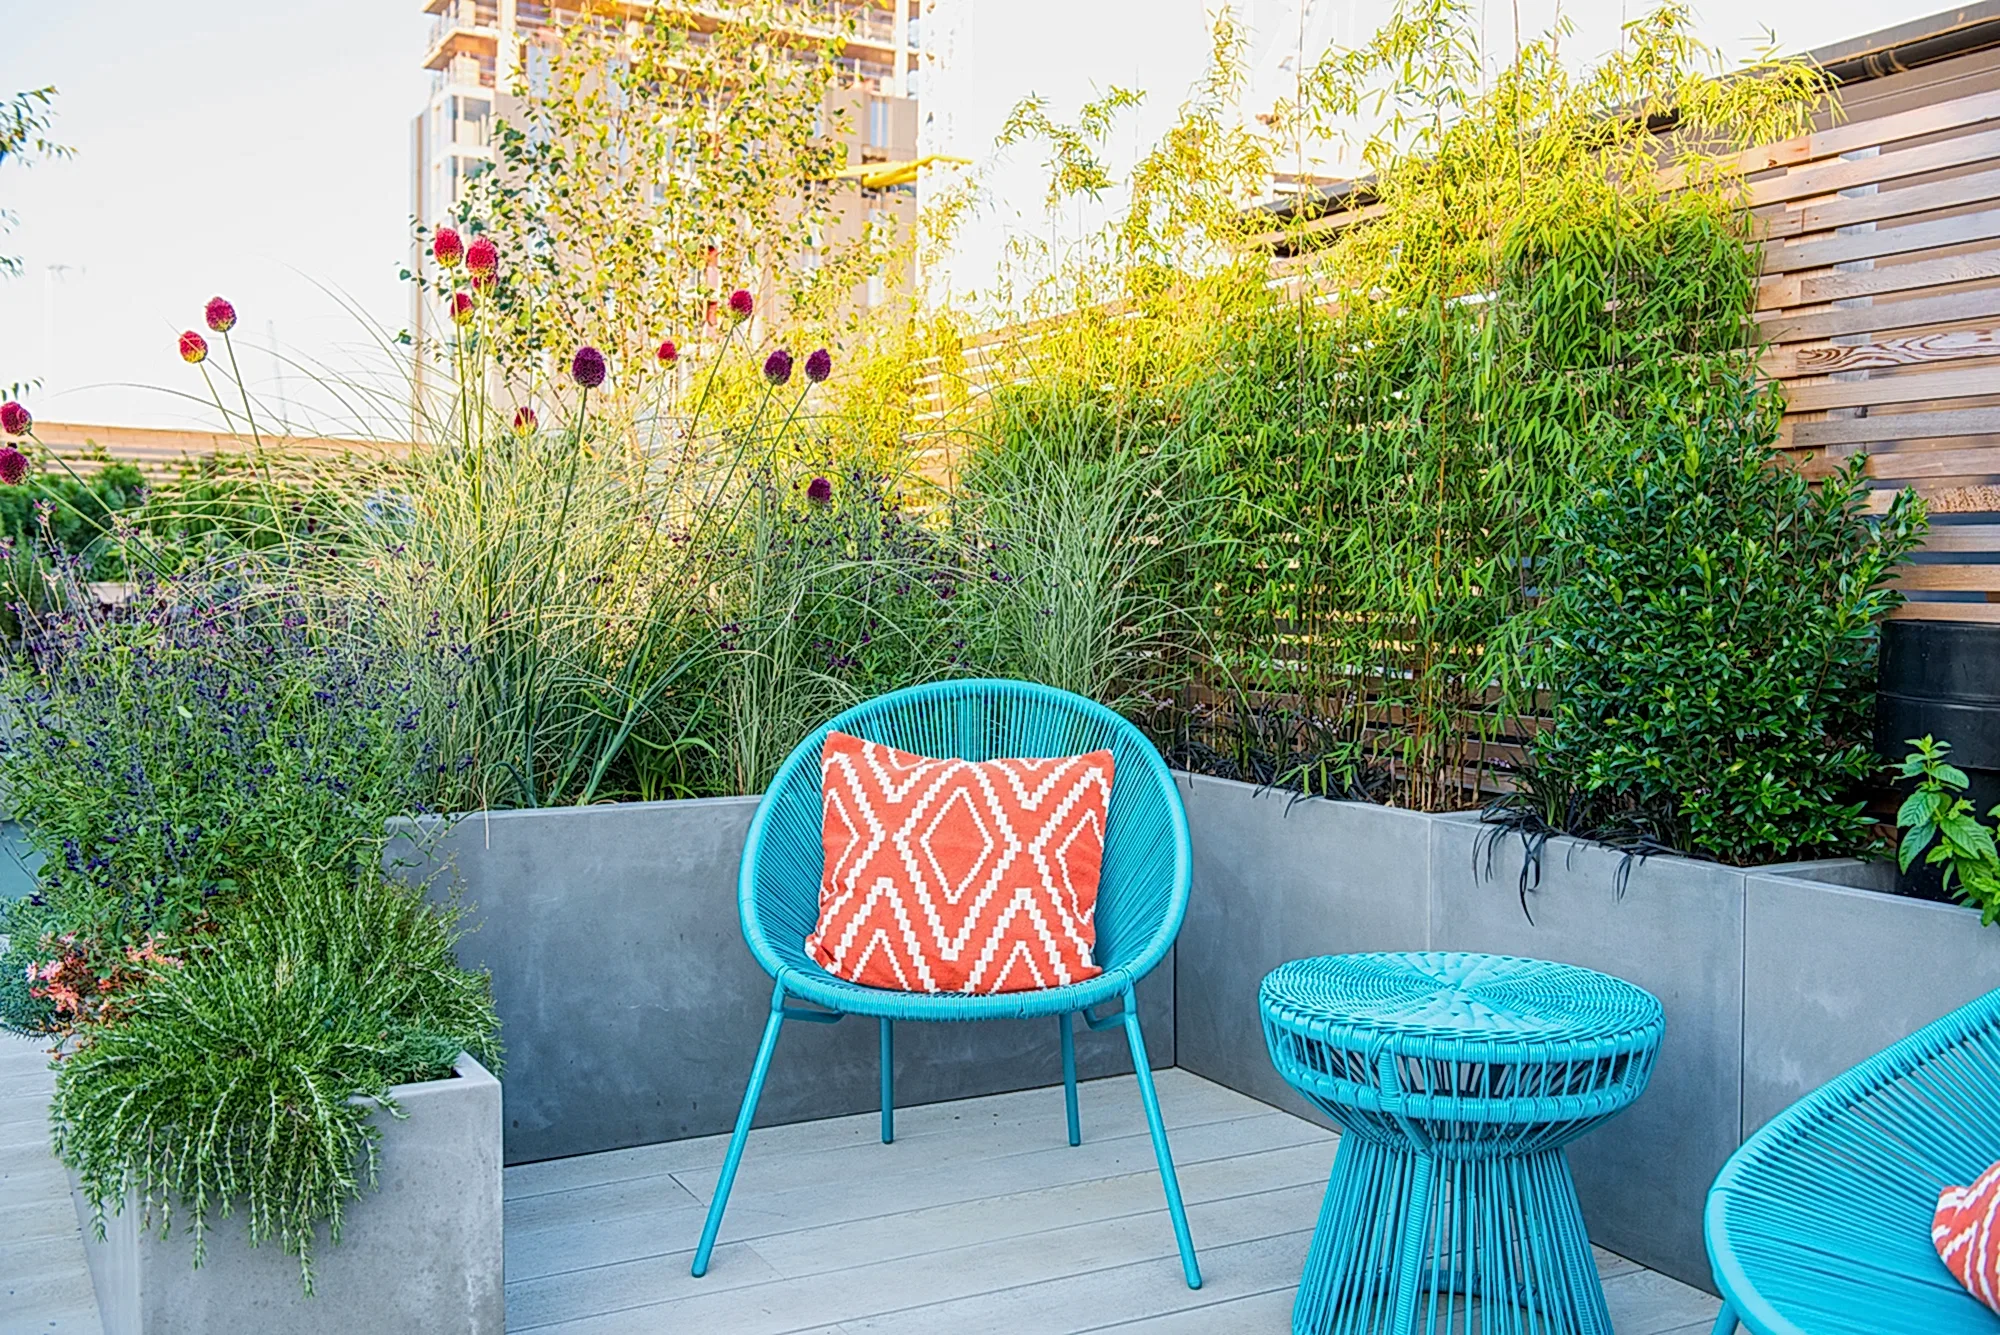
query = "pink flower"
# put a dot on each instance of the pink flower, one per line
(220, 314)
(13, 466)
(819, 491)
(448, 249)
(525, 421)
(588, 367)
(778, 367)
(482, 256)
(669, 354)
(14, 419)
(741, 304)
(194, 348)
(461, 308)
(819, 366)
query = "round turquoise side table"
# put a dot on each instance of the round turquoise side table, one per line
(1456, 1080)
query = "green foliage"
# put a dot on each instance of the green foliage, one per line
(25, 121)
(156, 758)
(1936, 817)
(653, 166)
(1374, 431)
(74, 514)
(247, 1074)
(1709, 640)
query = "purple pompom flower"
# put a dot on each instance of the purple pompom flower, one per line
(588, 367)
(14, 419)
(13, 466)
(778, 367)
(819, 491)
(819, 366)
(741, 303)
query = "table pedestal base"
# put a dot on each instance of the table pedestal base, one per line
(1405, 1239)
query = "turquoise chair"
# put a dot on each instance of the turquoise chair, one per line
(1140, 900)
(1821, 1223)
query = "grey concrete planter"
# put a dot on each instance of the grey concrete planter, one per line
(631, 1009)
(1774, 979)
(423, 1252)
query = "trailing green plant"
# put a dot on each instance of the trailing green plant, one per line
(1937, 817)
(251, 1070)
(1707, 638)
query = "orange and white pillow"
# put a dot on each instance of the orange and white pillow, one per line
(956, 875)
(1966, 1232)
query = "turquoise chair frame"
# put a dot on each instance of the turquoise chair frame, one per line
(1141, 897)
(1821, 1223)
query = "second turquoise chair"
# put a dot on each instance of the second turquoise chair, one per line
(1140, 901)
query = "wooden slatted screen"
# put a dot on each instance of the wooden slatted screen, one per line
(1880, 303)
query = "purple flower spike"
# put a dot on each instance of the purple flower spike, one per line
(588, 369)
(819, 366)
(778, 367)
(819, 491)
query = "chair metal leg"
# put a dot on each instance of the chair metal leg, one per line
(1725, 1321)
(1069, 1077)
(1168, 1180)
(888, 1084)
(741, 1134)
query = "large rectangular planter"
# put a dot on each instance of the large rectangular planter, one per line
(1835, 970)
(631, 1009)
(423, 1252)
(1278, 878)
(1773, 979)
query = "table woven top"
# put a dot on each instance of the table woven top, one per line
(1463, 998)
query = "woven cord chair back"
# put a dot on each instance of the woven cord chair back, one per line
(1148, 865)
(1821, 1222)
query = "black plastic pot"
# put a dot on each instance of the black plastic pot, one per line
(1941, 679)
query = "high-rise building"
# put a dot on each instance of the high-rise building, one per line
(476, 49)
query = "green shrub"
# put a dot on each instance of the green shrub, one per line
(245, 1075)
(1707, 638)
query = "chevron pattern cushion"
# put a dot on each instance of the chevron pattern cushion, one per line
(957, 875)
(1966, 1233)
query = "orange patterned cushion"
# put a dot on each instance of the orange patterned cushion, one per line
(1966, 1233)
(958, 876)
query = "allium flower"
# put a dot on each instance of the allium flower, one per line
(778, 367)
(194, 348)
(461, 308)
(220, 314)
(819, 491)
(448, 249)
(669, 354)
(13, 466)
(14, 419)
(819, 366)
(741, 304)
(482, 256)
(588, 368)
(483, 282)
(525, 421)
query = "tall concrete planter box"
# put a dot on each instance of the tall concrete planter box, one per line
(423, 1252)
(1833, 972)
(631, 1009)
(1673, 926)
(1277, 877)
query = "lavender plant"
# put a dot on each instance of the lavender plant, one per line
(157, 753)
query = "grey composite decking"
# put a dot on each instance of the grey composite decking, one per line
(978, 1219)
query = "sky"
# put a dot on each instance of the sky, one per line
(260, 149)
